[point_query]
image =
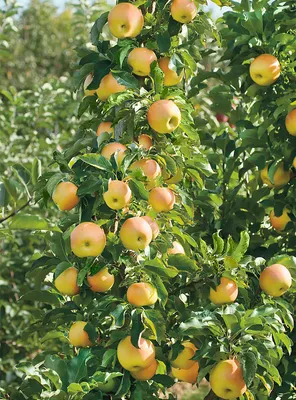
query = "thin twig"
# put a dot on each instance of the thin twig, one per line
(15, 211)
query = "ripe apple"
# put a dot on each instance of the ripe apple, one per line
(78, 337)
(125, 20)
(226, 379)
(114, 148)
(161, 199)
(66, 282)
(105, 127)
(150, 169)
(291, 122)
(164, 116)
(65, 196)
(140, 59)
(281, 177)
(153, 225)
(279, 223)
(183, 360)
(87, 240)
(186, 375)
(108, 386)
(145, 141)
(88, 92)
(275, 280)
(171, 78)
(135, 234)
(118, 195)
(225, 293)
(133, 359)
(183, 11)
(265, 70)
(101, 282)
(222, 118)
(109, 86)
(147, 373)
(176, 249)
(142, 294)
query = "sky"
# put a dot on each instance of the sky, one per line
(60, 3)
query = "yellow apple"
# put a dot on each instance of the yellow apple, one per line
(135, 234)
(101, 282)
(78, 337)
(281, 177)
(186, 375)
(133, 359)
(66, 282)
(171, 77)
(161, 199)
(265, 70)
(109, 86)
(147, 373)
(140, 59)
(226, 379)
(145, 141)
(183, 360)
(275, 280)
(88, 92)
(150, 169)
(87, 240)
(176, 249)
(225, 293)
(291, 122)
(153, 225)
(115, 148)
(105, 127)
(164, 116)
(279, 223)
(65, 196)
(118, 195)
(183, 11)
(141, 294)
(125, 20)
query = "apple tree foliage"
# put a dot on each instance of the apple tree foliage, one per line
(220, 217)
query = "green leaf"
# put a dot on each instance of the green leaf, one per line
(36, 170)
(96, 161)
(137, 327)
(182, 263)
(242, 247)
(55, 363)
(30, 222)
(109, 358)
(126, 79)
(164, 380)
(138, 189)
(42, 296)
(157, 267)
(124, 385)
(53, 181)
(74, 388)
(164, 42)
(77, 367)
(97, 28)
(61, 267)
(218, 243)
(156, 322)
(157, 76)
(161, 289)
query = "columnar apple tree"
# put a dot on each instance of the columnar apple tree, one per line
(143, 296)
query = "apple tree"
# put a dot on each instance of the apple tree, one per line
(156, 268)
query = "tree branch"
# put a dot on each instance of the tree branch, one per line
(15, 211)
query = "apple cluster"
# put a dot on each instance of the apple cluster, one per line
(88, 239)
